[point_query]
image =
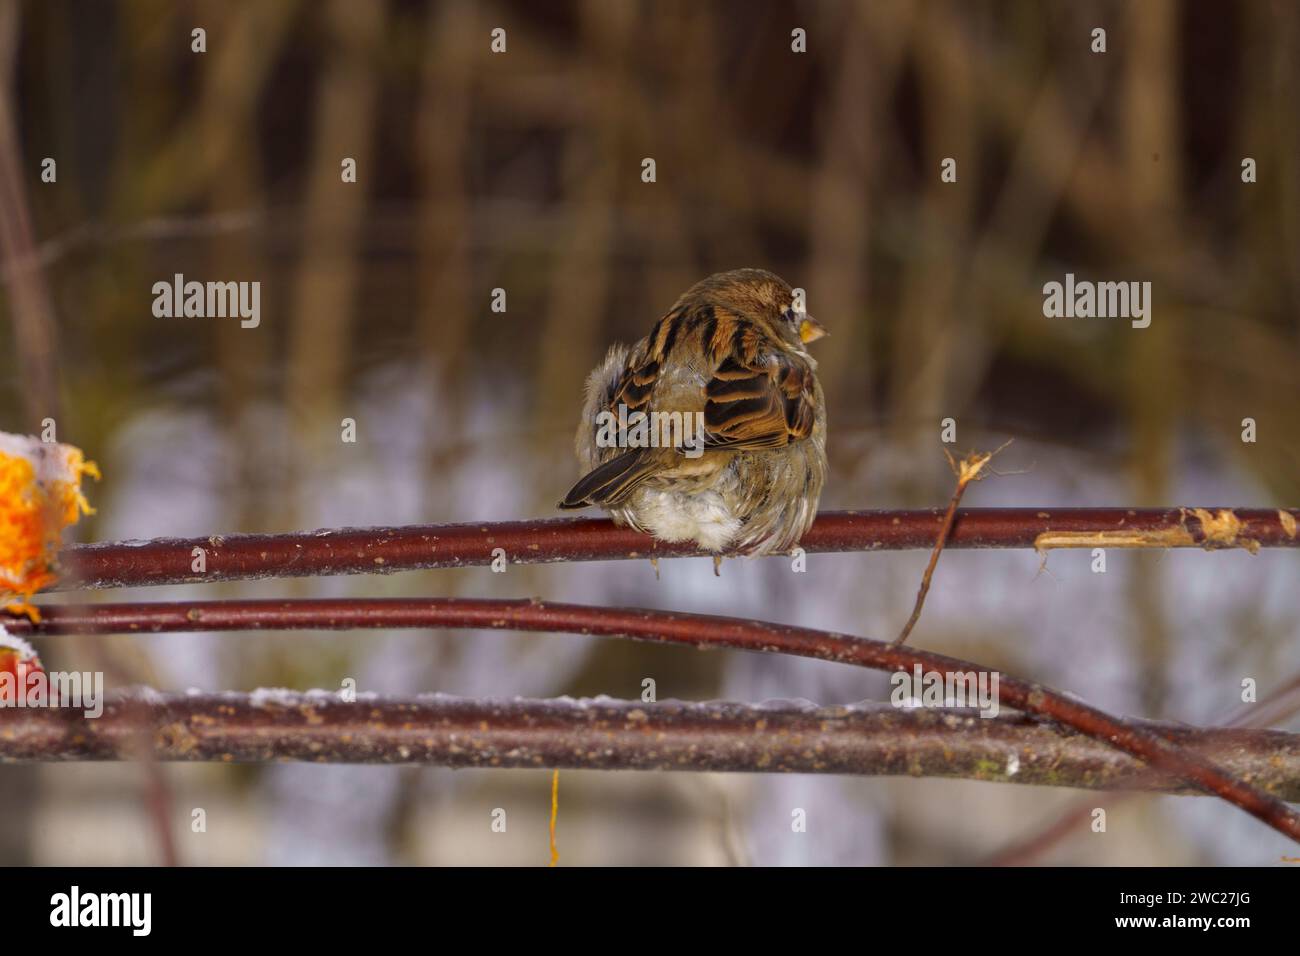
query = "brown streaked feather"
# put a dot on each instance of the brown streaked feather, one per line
(757, 396)
(611, 482)
(638, 381)
(635, 386)
(728, 335)
(763, 403)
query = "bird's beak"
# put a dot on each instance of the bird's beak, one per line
(810, 330)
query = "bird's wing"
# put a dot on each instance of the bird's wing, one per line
(614, 478)
(759, 406)
(638, 380)
(759, 398)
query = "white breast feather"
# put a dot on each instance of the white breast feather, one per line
(701, 516)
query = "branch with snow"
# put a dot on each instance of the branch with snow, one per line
(604, 734)
(1159, 750)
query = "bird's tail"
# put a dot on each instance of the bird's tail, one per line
(611, 482)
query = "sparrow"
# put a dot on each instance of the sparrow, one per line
(729, 366)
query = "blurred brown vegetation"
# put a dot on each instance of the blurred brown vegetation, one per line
(522, 170)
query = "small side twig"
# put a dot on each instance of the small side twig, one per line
(967, 470)
(555, 812)
(1273, 709)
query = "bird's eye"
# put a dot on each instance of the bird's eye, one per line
(790, 315)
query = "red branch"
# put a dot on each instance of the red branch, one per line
(624, 735)
(384, 550)
(698, 630)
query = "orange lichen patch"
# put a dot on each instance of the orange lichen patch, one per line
(40, 495)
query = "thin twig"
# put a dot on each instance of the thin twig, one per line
(555, 812)
(967, 470)
(1273, 709)
(698, 630)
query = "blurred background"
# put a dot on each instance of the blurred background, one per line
(522, 171)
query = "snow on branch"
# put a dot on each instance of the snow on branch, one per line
(602, 734)
(1157, 748)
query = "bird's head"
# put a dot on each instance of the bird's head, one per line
(765, 299)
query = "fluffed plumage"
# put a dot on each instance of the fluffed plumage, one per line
(733, 349)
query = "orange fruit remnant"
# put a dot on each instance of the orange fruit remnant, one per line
(40, 495)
